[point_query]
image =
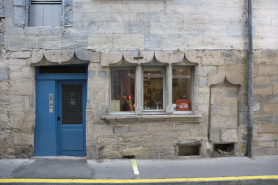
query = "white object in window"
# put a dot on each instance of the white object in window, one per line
(45, 12)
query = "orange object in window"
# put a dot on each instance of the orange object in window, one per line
(183, 105)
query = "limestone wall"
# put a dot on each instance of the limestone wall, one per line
(212, 33)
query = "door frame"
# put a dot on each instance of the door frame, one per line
(41, 141)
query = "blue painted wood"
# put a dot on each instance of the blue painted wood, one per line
(46, 136)
(45, 129)
(72, 138)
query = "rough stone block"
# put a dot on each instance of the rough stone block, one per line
(267, 70)
(271, 151)
(136, 137)
(190, 133)
(134, 145)
(93, 152)
(200, 42)
(272, 97)
(128, 42)
(139, 153)
(267, 144)
(222, 42)
(120, 17)
(98, 84)
(228, 135)
(261, 80)
(22, 139)
(230, 111)
(15, 75)
(3, 74)
(223, 122)
(21, 55)
(22, 87)
(275, 88)
(271, 128)
(137, 27)
(152, 42)
(107, 140)
(17, 62)
(158, 144)
(214, 135)
(120, 129)
(110, 154)
(270, 108)
(187, 126)
(112, 27)
(100, 42)
(151, 17)
(165, 136)
(50, 42)
(175, 42)
(190, 2)
(262, 89)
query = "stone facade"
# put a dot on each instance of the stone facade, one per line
(210, 33)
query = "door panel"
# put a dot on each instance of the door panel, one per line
(72, 139)
(71, 110)
(45, 130)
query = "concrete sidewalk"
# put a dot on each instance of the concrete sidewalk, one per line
(242, 170)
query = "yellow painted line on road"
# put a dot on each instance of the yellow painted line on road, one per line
(116, 181)
(134, 166)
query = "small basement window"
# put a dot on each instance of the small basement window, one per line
(224, 149)
(188, 150)
(129, 157)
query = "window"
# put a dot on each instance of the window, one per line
(151, 90)
(45, 12)
(181, 89)
(123, 90)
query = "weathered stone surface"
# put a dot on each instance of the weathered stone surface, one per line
(271, 128)
(3, 74)
(228, 135)
(137, 152)
(23, 55)
(93, 152)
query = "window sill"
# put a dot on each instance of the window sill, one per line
(115, 119)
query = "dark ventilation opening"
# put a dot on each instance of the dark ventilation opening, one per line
(62, 69)
(224, 149)
(129, 157)
(186, 150)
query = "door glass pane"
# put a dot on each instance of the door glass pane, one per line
(153, 90)
(123, 90)
(181, 90)
(72, 107)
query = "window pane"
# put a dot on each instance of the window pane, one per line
(181, 90)
(45, 13)
(153, 90)
(123, 90)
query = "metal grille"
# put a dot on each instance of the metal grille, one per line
(62, 69)
(72, 109)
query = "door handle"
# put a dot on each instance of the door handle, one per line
(58, 120)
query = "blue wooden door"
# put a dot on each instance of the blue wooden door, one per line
(71, 117)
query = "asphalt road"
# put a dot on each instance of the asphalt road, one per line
(202, 169)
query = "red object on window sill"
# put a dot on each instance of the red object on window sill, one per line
(183, 105)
